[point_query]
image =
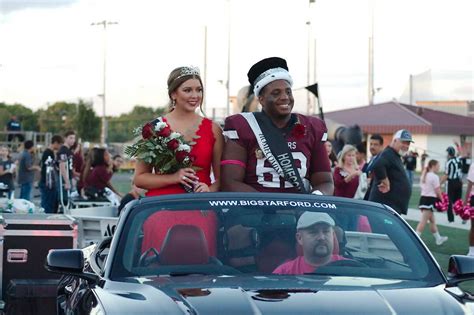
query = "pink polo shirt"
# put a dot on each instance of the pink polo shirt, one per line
(299, 266)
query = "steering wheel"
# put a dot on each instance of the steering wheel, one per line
(145, 260)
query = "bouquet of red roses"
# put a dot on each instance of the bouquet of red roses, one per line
(161, 147)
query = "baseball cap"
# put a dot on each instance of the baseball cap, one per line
(451, 151)
(309, 218)
(403, 135)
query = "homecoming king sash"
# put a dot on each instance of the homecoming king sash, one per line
(274, 146)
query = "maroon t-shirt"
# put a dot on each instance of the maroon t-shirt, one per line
(98, 177)
(308, 153)
(341, 188)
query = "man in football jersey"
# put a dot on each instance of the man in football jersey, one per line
(64, 157)
(247, 164)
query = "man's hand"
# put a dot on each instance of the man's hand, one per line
(384, 186)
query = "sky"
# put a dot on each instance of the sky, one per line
(50, 52)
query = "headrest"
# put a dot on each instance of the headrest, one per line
(184, 245)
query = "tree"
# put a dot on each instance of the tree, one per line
(28, 119)
(63, 116)
(57, 118)
(86, 122)
(121, 128)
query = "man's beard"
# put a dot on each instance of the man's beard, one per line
(321, 250)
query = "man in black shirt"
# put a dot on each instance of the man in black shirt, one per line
(48, 181)
(390, 182)
(14, 126)
(375, 148)
(409, 161)
(64, 158)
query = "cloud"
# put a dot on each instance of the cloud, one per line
(8, 6)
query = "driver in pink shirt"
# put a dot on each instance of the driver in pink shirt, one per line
(315, 233)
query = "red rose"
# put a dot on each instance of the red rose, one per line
(181, 155)
(298, 131)
(165, 132)
(147, 131)
(173, 144)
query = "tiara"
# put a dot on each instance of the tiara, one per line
(185, 71)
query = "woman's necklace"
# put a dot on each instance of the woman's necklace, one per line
(189, 133)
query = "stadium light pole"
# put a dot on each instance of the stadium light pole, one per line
(103, 132)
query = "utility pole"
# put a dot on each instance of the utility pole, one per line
(308, 72)
(228, 59)
(103, 133)
(371, 55)
(204, 71)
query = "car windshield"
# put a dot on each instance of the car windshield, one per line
(264, 236)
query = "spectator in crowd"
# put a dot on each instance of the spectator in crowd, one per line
(424, 156)
(66, 168)
(331, 154)
(430, 193)
(375, 147)
(26, 170)
(361, 154)
(77, 159)
(346, 174)
(98, 175)
(409, 161)
(315, 234)
(470, 200)
(465, 163)
(117, 162)
(133, 194)
(453, 176)
(14, 127)
(390, 182)
(48, 181)
(294, 140)
(7, 171)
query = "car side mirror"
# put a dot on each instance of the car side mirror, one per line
(460, 268)
(69, 262)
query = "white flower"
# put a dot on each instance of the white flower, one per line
(160, 125)
(175, 135)
(184, 147)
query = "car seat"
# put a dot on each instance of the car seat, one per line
(184, 245)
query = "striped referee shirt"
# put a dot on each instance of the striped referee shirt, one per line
(453, 169)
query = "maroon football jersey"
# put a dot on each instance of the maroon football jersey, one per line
(308, 153)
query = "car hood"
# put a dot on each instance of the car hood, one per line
(279, 296)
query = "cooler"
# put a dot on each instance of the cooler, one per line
(25, 240)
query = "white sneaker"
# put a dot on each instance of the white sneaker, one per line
(441, 240)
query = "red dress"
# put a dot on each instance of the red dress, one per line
(158, 224)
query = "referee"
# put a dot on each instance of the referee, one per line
(453, 175)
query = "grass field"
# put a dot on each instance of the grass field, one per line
(455, 246)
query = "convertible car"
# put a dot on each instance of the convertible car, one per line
(259, 253)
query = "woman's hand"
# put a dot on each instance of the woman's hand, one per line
(187, 177)
(201, 187)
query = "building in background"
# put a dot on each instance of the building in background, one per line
(433, 130)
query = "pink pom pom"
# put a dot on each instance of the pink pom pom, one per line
(443, 204)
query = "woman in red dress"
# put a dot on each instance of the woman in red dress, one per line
(185, 90)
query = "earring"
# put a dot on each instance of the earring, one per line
(173, 103)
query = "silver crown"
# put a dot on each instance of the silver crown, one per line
(185, 71)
